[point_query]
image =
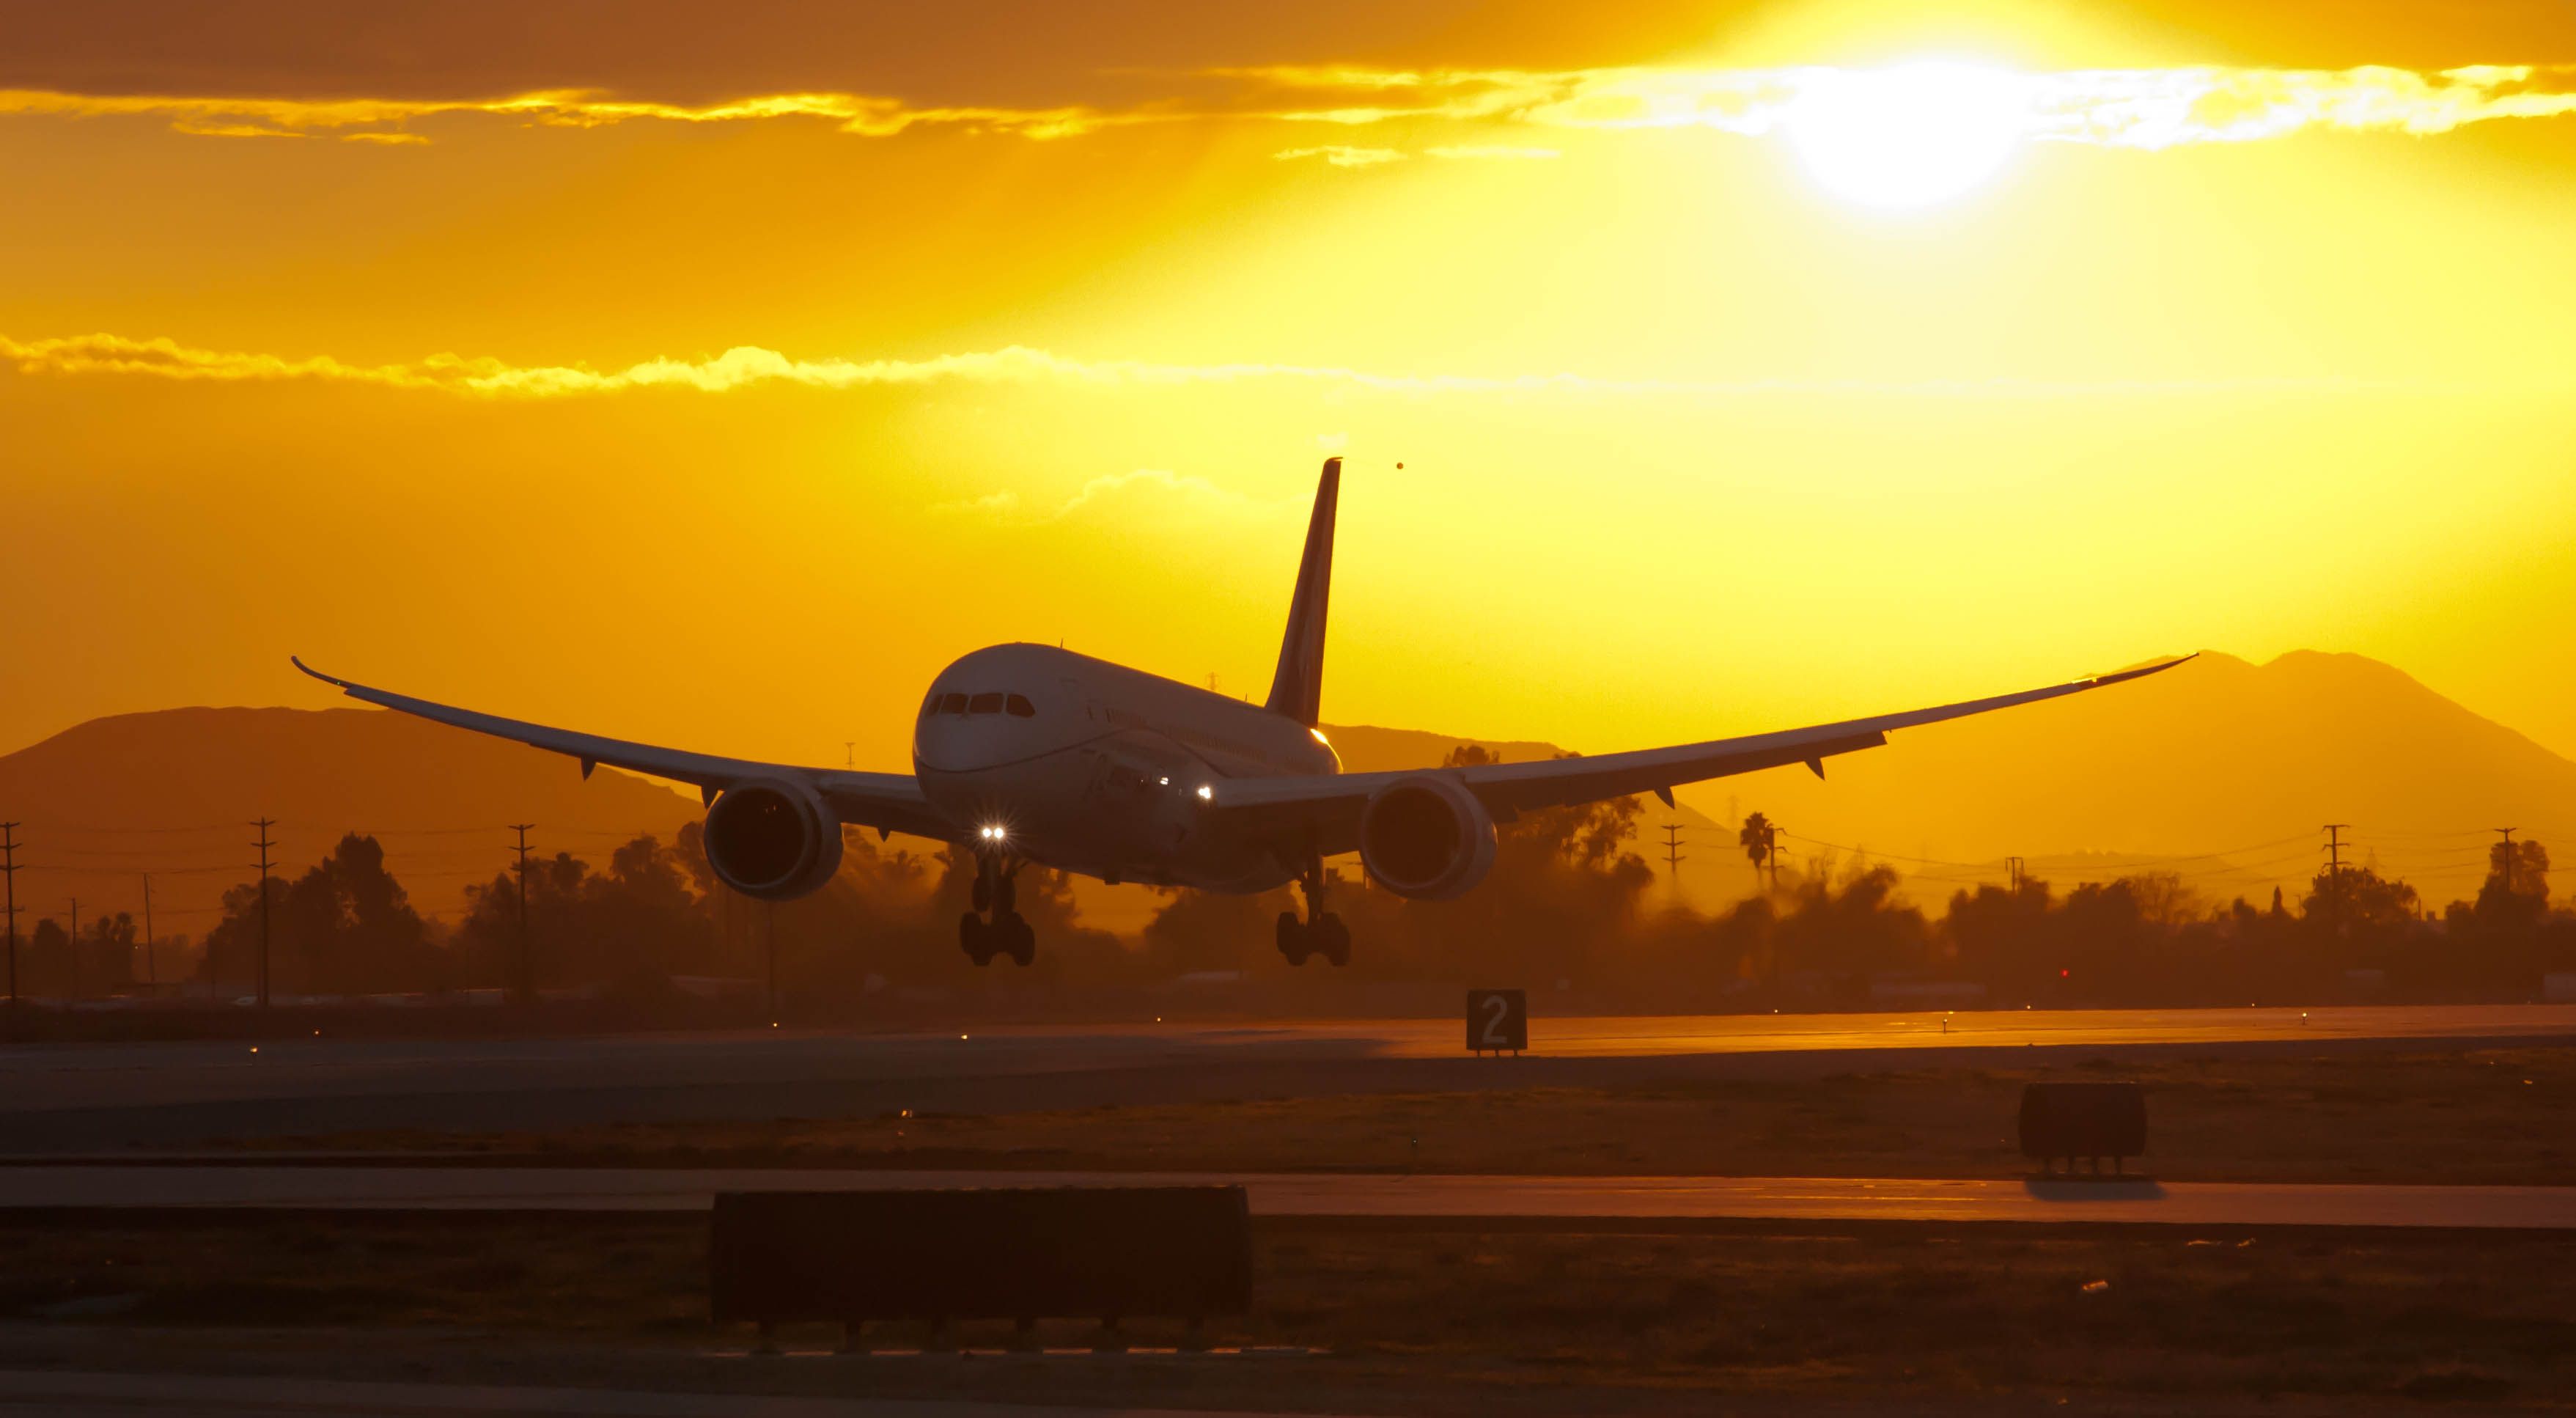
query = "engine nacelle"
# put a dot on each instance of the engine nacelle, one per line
(773, 839)
(1426, 838)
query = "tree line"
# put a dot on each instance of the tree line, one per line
(1569, 907)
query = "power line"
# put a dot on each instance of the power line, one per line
(263, 844)
(9, 872)
(527, 952)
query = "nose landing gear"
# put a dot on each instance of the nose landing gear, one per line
(1007, 933)
(1321, 933)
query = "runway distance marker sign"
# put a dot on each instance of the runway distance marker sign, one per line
(1497, 1020)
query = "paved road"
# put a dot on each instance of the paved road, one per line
(29, 1393)
(1562, 1198)
(91, 1097)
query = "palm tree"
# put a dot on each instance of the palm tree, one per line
(1756, 841)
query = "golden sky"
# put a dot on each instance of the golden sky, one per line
(712, 374)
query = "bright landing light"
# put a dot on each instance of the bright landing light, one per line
(1906, 136)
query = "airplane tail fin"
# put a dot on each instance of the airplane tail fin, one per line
(1297, 690)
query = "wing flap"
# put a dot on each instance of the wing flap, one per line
(887, 801)
(1325, 808)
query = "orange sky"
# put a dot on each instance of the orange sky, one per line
(397, 336)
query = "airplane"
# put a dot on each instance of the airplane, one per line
(1036, 754)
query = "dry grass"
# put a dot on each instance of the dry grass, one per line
(2478, 1116)
(1435, 1320)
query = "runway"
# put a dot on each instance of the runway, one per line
(45, 1393)
(98, 1097)
(2132, 1201)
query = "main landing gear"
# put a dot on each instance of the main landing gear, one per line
(1321, 933)
(1006, 933)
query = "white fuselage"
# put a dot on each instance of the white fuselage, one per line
(1096, 768)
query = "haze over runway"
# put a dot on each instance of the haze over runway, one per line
(1430, 1195)
(93, 1098)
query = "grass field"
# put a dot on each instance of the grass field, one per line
(2482, 1116)
(1463, 1322)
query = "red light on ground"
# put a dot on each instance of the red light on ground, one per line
(2061, 974)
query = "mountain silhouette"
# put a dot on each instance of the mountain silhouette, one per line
(174, 792)
(2222, 771)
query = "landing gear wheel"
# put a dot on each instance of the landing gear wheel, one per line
(1019, 939)
(975, 938)
(1292, 938)
(1332, 939)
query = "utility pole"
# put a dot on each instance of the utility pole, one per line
(1673, 853)
(2334, 872)
(1771, 851)
(9, 872)
(2013, 865)
(76, 994)
(527, 949)
(2507, 834)
(263, 844)
(151, 968)
(850, 753)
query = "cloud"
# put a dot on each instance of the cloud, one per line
(2127, 108)
(867, 115)
(748, 366)
(1489, 152)
(2130, 108)
(1343, 156)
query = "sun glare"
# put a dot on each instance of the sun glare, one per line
(1910, 135)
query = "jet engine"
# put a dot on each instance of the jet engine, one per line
(1427, 838)
(773, 839)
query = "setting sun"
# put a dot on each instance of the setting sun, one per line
(1910, 135)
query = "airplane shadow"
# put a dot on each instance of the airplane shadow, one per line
(2060, 1186)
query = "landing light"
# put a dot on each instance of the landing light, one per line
(994, 834)
(1206, 793)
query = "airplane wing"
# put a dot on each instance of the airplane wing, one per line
(888, 802)
(1325, 808)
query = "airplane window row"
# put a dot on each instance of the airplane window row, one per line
(1015, 705)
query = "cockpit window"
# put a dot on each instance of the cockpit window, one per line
(1020, 707)
(985, 704)
(952, 704)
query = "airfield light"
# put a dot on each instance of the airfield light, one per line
(1207, 793)
(1166, 782)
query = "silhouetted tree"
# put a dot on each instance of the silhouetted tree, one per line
(1755, 838)
(347, 927)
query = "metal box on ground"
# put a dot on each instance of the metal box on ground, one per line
(1007, 1253)
(2090, 1120)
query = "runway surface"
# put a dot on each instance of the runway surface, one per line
(91, 1097)
(29, 1393)
(1340, 1195)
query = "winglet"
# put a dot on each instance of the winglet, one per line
(2142, 671)
(1297, 690)
(317, 674)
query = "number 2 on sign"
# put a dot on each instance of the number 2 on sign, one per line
(1497, 1009)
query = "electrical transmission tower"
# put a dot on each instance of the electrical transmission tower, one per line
(263, 844)
(151, 966)
(9, 845)
(2334, 872)
(2507, 834)
(527, 947)
(1673, 853)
